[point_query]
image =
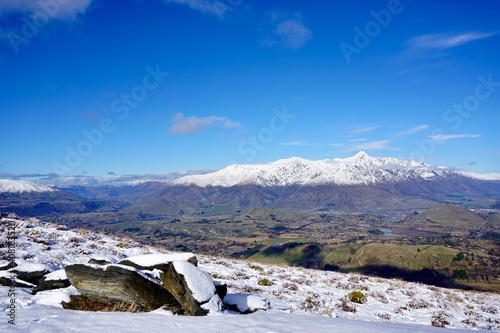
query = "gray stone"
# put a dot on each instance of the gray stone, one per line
(29, 276)
(94, 261)
(46, 283)
(176, 283)
(119, 287)
(8, 282)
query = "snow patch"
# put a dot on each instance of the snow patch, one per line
(159, 258)
(57, 275)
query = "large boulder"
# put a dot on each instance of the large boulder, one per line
(54, 280)
(159, 261)
(119, 287)
(193, 288)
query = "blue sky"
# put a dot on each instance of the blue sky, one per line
(110, 88)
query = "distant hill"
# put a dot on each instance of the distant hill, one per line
(447, 218)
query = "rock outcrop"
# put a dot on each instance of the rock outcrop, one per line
(54, 280)
(119, 286)
(193, 288)
(29, 272)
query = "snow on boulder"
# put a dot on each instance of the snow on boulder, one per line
(117, 287)
(54, 280)
(158, 261)
(245, 303)
(29, 271)
(193, 288)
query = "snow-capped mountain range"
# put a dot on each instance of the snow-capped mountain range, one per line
(360, 169)
(21, 186)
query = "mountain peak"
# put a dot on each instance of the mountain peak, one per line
(361, 155)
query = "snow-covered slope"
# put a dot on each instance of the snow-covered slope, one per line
(20, 186)
(300, 299)
(360, 169)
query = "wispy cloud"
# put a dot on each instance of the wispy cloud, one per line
(413, 130)
(300, 144)
(213, 7)
(372, 145)
(288, 31)
(363, 145)
(365, 129)
(446, 137)
(61, 9)
(193, 124)
(445, 40)
(293, 143)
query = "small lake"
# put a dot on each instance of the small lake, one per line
(385, 231)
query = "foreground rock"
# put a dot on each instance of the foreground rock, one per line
(54, 280)
(8, 279)
(118, 287)
(30, 272)
(193, 288)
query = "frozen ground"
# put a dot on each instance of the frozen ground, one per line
(300, 299)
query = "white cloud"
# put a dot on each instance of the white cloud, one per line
(372, 145)
(357, 145)
(413, 130)
(285, 29)
(293, 143)
(445, 40)
(292, 33)
(300, 144)
(364, 129)
(55, 9)
(446, 137)
(214, 7)
(193, 124)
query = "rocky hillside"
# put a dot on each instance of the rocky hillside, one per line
(50, 248)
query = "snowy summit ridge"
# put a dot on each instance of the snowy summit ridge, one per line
(20, 186)
(360, 169)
